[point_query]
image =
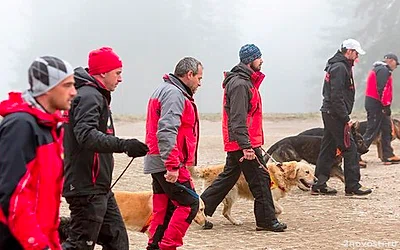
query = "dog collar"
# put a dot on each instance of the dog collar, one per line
(274, 184)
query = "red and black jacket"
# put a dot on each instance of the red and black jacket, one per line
(379, 89)
(242, 113)
(89, 139)
(31, 176)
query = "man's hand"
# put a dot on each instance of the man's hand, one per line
(135, 148)
(249, 154)
(171, 176)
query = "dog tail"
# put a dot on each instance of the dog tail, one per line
(64, 228)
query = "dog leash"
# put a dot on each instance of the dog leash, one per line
(278, 164)
(123, 172)
(264, 165)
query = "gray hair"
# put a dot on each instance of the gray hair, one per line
(187, 64)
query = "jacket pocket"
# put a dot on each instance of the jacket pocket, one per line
(95, 167)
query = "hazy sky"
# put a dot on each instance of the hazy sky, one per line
(287, 32)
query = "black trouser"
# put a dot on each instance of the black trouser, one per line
(378, 122)
(334, 137)
(259, 183)
(96, 219)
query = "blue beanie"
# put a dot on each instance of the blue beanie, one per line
(249, 53)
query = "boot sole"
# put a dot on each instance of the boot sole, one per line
(320, 193)
(352, 194)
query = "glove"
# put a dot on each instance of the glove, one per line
(135, 148)
(386, 110)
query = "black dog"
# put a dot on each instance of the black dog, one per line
(362, 127)
(307, 146)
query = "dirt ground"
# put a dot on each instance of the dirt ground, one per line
(313, 222)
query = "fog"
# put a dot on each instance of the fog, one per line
(295, 37)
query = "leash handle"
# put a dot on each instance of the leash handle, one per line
(123, 172)
(264, 165)
(190, 191)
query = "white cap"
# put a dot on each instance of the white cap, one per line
(353, 44)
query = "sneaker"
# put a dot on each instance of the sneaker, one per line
(392, 160)
(362, 164)
(359, 192)
(324, 191)
(275, 227)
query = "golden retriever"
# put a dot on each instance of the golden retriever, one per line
(289, 175)
(137, 210)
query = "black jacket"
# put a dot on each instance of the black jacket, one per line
(89, 139)
(338, 91)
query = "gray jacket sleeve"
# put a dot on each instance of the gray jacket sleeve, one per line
(172, 106)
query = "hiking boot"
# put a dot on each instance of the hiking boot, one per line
(324, 191)
(208, 225)
(275, 227)
(359, 192)
(392, 160)
(362, 164)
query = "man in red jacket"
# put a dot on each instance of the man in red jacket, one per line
(243, 137)
(378, 98)
(172, 134)
(31, 152)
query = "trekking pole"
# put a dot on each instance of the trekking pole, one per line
(123, 172)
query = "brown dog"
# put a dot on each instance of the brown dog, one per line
(377, 141)
(293, 174)
(136, 210)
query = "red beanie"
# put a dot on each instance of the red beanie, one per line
(103, 60)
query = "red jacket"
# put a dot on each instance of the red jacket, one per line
(242, 115)
(31, 175)
(172, 127)
(379, 89)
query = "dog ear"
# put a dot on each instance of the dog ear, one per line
(292, 171)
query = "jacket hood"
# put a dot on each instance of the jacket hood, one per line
(339, 57)
(82, 78)
(171, 78)
(18, 102)
(382, 64)
(241, 70)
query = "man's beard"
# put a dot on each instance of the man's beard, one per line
(254, 68)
